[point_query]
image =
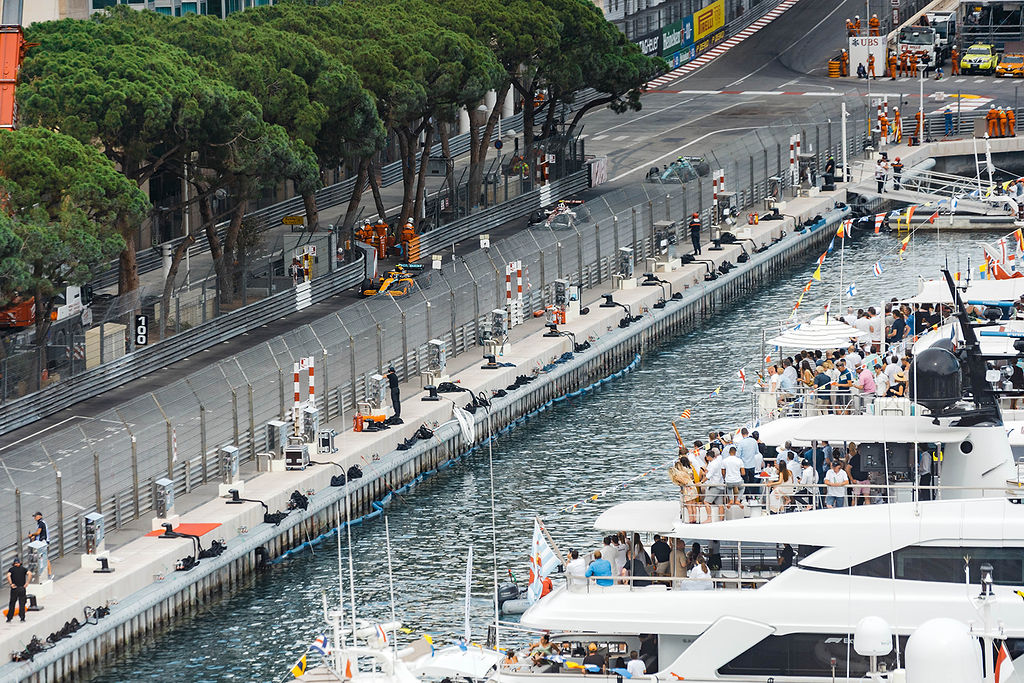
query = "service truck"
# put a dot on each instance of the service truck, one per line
(921, 41)
(944, 24)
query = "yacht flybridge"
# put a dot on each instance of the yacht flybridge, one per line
(906, 563)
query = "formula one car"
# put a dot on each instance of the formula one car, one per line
(396, 282)
(682, 170)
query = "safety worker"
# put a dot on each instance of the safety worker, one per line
(883, 128)
(381, 238)
(993, 121)
(364, 233)
(947, 118)
(904, 61)
(919, 127)
(897, 171)
(850, 29)
(1011, 123)
(844, 59)
(871, 67)
(874, 25)
(893, 64)
(396, 397)
(695, 227)
(897, 126)
(407, 234)
(913, 64)
(954, 56)
(1001, 117)
(856, 25)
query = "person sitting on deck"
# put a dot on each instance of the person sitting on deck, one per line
(593, 658)
(600, 569)
(636, 666)
(634, 567)
(699, 576)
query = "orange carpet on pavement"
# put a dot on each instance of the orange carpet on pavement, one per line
(193, 529)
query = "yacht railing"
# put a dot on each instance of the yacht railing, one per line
(757, 498)
(804, 401)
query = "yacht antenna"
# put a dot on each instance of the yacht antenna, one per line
(494, 539)
(469, 579)
(391, 588)
(351, 570)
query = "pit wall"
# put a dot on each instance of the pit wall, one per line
(149, 598)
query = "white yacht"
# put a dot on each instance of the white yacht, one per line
(792, 618)
(907, 563)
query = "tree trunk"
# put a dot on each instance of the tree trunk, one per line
(216, 248)
(481, 144)
(371, 177)
(312, 213)
(407, 145)
(357, 195)
(128, 267)
(421, 182)
(172, 274)
(446, 149)
(230, 239)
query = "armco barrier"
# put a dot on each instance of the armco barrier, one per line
(500, 214)
(23, 411)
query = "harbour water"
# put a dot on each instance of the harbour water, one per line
(597, 445)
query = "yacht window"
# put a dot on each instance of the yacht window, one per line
(946, 564)
(801, 654)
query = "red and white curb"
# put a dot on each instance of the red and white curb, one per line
(722, 48)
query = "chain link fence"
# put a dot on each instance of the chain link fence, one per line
(109, 463)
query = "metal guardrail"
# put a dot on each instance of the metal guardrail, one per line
(502, 213)
(18, 413)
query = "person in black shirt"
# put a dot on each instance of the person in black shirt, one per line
(661, 553)
(18, 578)
(786, 557)
(42, 532)
(396, 397)
(593, 658)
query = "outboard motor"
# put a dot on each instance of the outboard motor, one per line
(935, 380)
(506, 592)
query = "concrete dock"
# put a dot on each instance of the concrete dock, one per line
(146, 595)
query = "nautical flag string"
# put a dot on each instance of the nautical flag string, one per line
(299, 667)
(879, 219)
(319, 645)
(743, 380)
(685, 414)
(878, 268)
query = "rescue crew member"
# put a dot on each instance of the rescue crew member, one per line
(850, 29)
(897, 125)
(1011, 123)
(873, 25)
(913, 64)
(396, 398)
(1001, 117)
(993, 121)
(897, 171)
(695, 232)
(893, 65)
(883, 129)
(856, 25)
(844, 59)
(904, 61)
(407, 234)
(871, 66)
(919, 127)
(954, 56)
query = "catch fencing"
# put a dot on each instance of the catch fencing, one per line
(109, 463)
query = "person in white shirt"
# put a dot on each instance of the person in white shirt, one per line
(698, 576)
(881, 381)
(636, 666)
(609, 552)
(793, 465)
(808, 479)
(732, 471)
(892, 368)
(853, 358)
(575, 571)
(715, 494)
(836, 482)
(620, 555)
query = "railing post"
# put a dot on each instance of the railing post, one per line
(234, 416)
(405, 348)
(252, 429)
(96, 479)
(60, 514)
(597, 243)
(202, 441)
(352, 361)
(636, 248)
(17, 522)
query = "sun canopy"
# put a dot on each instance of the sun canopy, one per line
(821, 332)
(937, 292)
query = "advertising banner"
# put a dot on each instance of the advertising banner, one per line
(708, 20)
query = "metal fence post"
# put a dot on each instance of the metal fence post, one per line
(650, 214)
(597, 243)
(636, 247)
(615, 227)
(352, 361)
(60, 514)
(429, 333)
(234, 416)
(96, 480)
(17, 521)
(202, 440)
(668, 207)
(252, 430)
(405, 348)
(753, 198)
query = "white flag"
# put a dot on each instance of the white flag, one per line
(543, 561)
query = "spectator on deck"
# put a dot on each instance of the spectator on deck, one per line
(575, 570)
(600, 569)
(593, 658)
(836, 481)
(661, 553)
(636, 666)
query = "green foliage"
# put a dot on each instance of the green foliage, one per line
(14, 274)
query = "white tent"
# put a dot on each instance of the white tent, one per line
(821, 332)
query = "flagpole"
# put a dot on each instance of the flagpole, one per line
(842, 257)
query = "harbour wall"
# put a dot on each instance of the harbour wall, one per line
(148, 597)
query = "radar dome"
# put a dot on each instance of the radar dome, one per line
(872, 637)
(943, 650)
(935, 379)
